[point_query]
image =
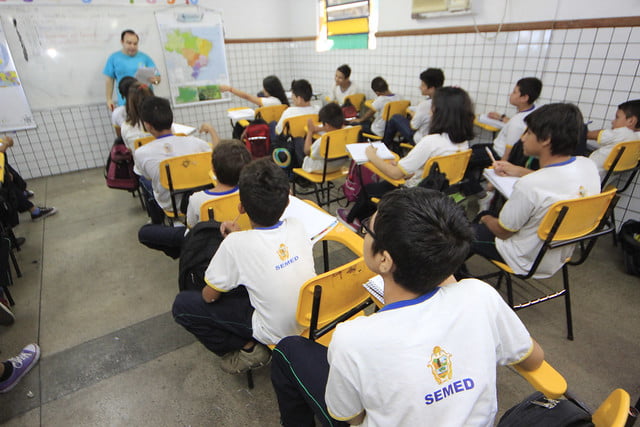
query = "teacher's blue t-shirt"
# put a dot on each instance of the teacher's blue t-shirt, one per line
(120, 65)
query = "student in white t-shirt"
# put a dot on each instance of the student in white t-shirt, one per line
(380, 87)
(254, 278)
(429, 355)
(271, 89)
(301, 93)
(133, 128)
(344, 86)
(119, 114)
(625, 127)
(551, 136)
(331, 118)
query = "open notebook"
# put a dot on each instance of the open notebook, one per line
(317, 222)
(375, 286)
(356, 151)
(485, 119)
(504, 184)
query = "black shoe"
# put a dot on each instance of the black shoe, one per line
(19, 242)
(44, 212)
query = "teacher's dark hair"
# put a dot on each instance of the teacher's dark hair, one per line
(125, 32)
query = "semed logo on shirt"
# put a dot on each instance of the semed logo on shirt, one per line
(283, 252)
(442, 370)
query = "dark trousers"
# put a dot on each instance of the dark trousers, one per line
(299, 373)
(363, 207)
(163, 238)
(485, 243)
(221, 326)
(153, 209)
(19, 187)
(398, 123)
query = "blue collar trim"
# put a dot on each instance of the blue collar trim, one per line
(408, 302)
(274, 226)
(528, 109)
(221, 193)
(566, 162)
(164, 136)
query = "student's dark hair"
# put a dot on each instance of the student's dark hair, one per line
(425, 232)
(331, 114)
(631, 109)
(452, 114)
(273, 85)
(125, 84)
(228, 159)
(264, 191)
(561, 123)
(128, 31)
(302, 88)
(378, 84)
(137, 93)
(530, 86)
(432, 77)
(345, 70)
(157, 112)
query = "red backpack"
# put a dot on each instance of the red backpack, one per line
(257, 139)
(119, 169)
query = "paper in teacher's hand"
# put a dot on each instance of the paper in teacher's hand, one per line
(145, 74)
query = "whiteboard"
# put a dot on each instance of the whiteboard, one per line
(15, 113)
(66, 48)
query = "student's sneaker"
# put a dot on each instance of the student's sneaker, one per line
(342, 215)
(22, 364)
(44, 212)
(6, 316)
(485, 202)
(29, 194)
(239, 361)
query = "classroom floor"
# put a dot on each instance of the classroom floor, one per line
(98, 303)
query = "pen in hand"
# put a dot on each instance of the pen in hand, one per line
(493, 159)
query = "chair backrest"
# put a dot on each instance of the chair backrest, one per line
(295, 126)
(2, 163)
(629, 158)
(452, 165)
(186, 172)
(271, 113)
(336, 142)
(395, 107)
(581, 216)
(356, 99)
(142, 141)
(614, 411)
(225, 208)
(341, 291)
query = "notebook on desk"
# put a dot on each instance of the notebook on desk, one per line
(356, 151)
(375, 286)
(485, 119)
(317, 222)
(504, 184)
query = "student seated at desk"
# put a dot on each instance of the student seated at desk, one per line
(301, 93)
(331, 118)
(429, 356)
(157, 117)
(228, 159)
(344, 86)
(271, 89)
(133, 128)
(119, 115)
(383, 95)
(450, 130)
(413, 131)
(254, 279)
(551, 136)
(625, 127)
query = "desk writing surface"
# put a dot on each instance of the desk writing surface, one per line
(485, 122)
(317, 222)
(504, 184)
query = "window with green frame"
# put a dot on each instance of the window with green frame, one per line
(346, 24)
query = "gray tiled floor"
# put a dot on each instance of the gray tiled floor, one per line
(98, 304)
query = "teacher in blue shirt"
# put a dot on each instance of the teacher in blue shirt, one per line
(126, 62)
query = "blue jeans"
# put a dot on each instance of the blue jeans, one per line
(398, 123)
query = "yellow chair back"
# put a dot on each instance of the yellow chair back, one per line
(225, 208)
(142, 141)
(271, 113)
(453, 165)
(188, 171)
(614, 411)
(337, 141)
(583, 215)
(629, 159)
(2, 164)
(295, 126)
(355, 99)
(395, 107)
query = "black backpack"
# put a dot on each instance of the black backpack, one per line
(630, 242)
(538, 411)
(436, 180)
(198, 247)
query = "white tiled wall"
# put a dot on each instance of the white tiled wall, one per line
(596, 68)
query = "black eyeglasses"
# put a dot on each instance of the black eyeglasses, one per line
(366, 229)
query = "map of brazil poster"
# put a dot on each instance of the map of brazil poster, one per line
(193, 47)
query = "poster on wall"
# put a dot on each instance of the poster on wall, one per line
(193, 46)
(15, 113)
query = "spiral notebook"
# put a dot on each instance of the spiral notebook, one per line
(375, 286)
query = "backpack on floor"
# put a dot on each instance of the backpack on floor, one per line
(198, 247)
(257, 139)
(357, 178)
(349, 112)
(119, 169)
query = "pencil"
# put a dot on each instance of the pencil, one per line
(493, 159)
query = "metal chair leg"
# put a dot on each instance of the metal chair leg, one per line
(509, 290)
(567, 301)
(14, 261)
(250, 379)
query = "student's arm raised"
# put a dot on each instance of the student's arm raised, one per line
(244, 95)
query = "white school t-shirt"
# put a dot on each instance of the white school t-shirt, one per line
(529, 202)
(197, 199)
(294, 112)
(272, 263)
(268, 101)
(384, 363)
(607, 139)
(512, 131)
(421, 120)
(148, 157)
(437, 144)
(379, 123)
(338, 95)
(130, 133)
(118, 116)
